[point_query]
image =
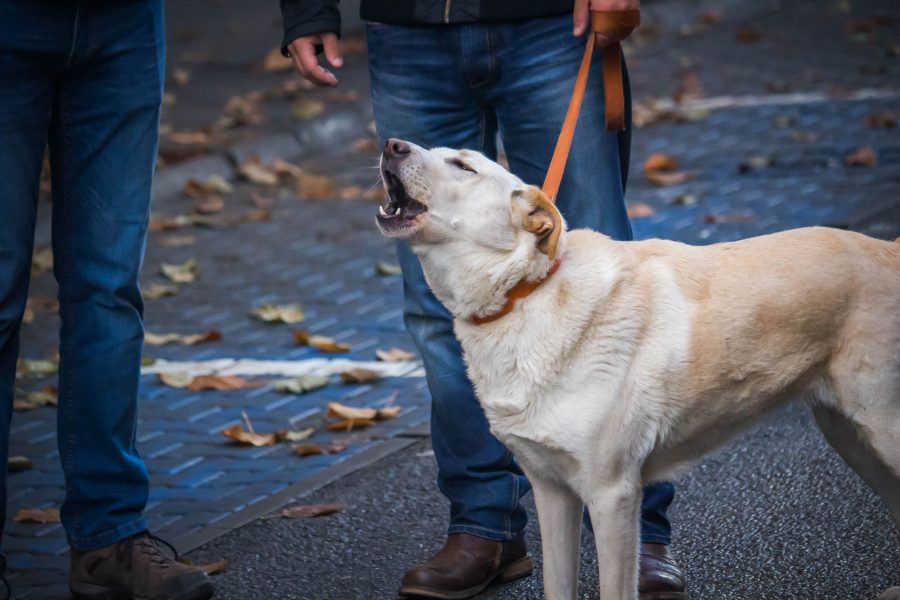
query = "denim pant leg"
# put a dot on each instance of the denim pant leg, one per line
(537, 61)
(26, 95)
(423, 91)
(103, 141)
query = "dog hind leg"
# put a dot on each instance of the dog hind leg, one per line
(559, 515)
(615, 512)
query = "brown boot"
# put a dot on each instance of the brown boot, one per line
(136, 568)
(661, 579)
(465, 566)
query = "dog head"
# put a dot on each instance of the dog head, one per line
(463, 199)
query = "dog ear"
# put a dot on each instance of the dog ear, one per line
(540, 218)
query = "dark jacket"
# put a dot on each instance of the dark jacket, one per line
(304, 17)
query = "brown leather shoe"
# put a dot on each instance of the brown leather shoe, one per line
(135, 568)
(661, 579)
(465, 566)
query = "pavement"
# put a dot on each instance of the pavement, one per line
(774, 97)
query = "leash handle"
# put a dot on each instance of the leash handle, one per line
(615, 25)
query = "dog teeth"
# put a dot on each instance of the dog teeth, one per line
(381, 211)
(392, 211)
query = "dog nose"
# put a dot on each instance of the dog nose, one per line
(394, 148)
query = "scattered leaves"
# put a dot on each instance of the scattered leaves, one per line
(254, 171)
(385, 269)
(240, 111)
(37, 515)
(180, 273)
(864, 156)
(320, 342)
(659, 161)
(36, 304)
(639, 210)
(307, 511)
(300, 385)
(278, 313)
(158, 290)
(359, 375)
(18, 463)
(314, 449)
(188, 340)
(46, 396)
(210, 568)
(394, 355)
(250, 438)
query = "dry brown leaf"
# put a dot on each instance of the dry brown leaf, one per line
(185, 272)
(278, 313)
(37, 515)
(46, 396)
(336, 409)
(747, 35)
(18, 463)
(349, 424)
(307, 108)
(316, 187)
(188, 138)
(651, 110)
(668, 179)
(159, 290)
(689, 86)
(286, 169)
(181, 76)
(394, 355)
(709, 17)
(275, 61)
(882, 120)
(153, 339)
(864, 156)
(359, 376)
(257, 214)
(240, 111)
(214, 184)
(320, 342)
(175, 380)
(310, 510)
(210, 206)
(314, 449)
(254, 171)
(210, 568)
(639, 210)
(41, 261)
(389, 412)
(222, 383)
(250, 438)
(659, 161)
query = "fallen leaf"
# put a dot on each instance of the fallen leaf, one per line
(336, 409)
(257, 214)
(300, 385)
(175, 380)
(659, 161)
(385, 269)
(158, 290)
(275, 61)
(316, 187)
(314, 449)
(394, 355)
(188, 138)
(250, 438)
(18, 463)
(178, 241)
(180, 273)
(170, 223)
(46, 396)
(147, 361)
(27, 367)
(727, 218)
(747, 35)
(307, 108)
(310, 510)
(222, 383)
(864, 156)
(669, 179)
(214, 184)
(651, 110)
(210, 206)
(153, 339)
(286, 169)
(254, 171)
(320, 342)
(36, 304)
(882, 120)
(240, 111)
(287, 435)
(359, 376)
(278, 313)
(181, 76)
(37, 515)
(389, 412)
(689, 86)
(41, 261)
(639, 210)
(210, 568)
(349, 424)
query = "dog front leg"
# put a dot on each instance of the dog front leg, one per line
(559, 515)
(615, 513)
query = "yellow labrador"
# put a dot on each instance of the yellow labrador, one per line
(630, 360)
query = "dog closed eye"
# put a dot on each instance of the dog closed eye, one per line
(461, 165)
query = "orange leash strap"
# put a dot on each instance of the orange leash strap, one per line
(615, 25)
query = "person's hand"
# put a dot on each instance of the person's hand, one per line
(582, 15)
(303, 53)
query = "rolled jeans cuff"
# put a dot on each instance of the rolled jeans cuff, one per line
(488, 534)
(108, 538)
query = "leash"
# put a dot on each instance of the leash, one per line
(616, 25)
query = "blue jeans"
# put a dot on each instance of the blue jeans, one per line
(460, 86)
(85, 76)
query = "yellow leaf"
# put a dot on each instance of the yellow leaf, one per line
(336, 409)
(189, 340)
(394, 355)
(320, 342)
(278, 313)
(180, 273)
(18, 463)
(158, 290)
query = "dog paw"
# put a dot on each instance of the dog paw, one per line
(890, 594)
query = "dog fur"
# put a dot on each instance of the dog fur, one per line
(636, 358)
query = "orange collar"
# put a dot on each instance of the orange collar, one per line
(521, 290)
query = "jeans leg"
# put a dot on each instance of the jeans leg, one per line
(28, 65)
(538, 61)
(103, 144)
(423, 90)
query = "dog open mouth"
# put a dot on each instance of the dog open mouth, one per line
(401, 210)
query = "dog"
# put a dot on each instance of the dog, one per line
(606, 365)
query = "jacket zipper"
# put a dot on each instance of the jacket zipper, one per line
(447, 11)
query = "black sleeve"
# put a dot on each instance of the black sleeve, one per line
(305, 17)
